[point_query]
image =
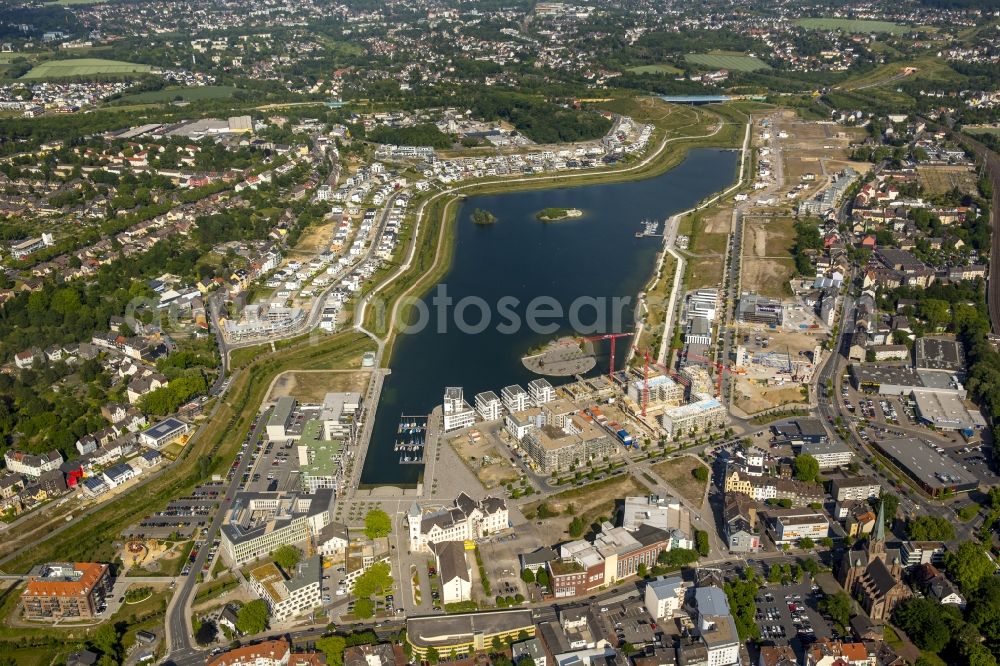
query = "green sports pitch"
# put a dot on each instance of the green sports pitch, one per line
(734, 62)
(851, 25)
(54, 69)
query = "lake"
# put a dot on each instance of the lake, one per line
(502, 269)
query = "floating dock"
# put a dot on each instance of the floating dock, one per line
(411, 437)
(649, 228)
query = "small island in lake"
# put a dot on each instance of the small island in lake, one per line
(480, 216)
(554, 214)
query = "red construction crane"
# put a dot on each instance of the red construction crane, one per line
(645, 383)
(612, 337)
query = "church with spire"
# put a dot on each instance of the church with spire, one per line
(873, 574)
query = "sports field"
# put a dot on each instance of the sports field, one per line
(851, 25)
(191, 94)
(661, 68)
(52, 69)
(736, 62)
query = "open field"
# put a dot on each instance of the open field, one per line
(52, 69)
(736, 62)
(925, 68)
(74, 2)
(981, 129)
(314, 239)
(767, 262)
(311, 387)
(591, 502)
(661, 68)
(188, 94)
(679, 473)
(852, 25)
(940, 179)
(708, 235)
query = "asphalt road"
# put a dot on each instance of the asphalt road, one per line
(179, 634)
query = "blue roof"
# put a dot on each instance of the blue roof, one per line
(164, 427)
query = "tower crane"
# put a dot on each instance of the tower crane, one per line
(612, 337)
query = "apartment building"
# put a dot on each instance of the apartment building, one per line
(705, 412)
(555, 449)
(541, 391)
(72, 591)
(457, 412)
(515, 398)
(288, 596)
(30, 464)
(488, 406)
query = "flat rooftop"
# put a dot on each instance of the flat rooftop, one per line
(552, 438)
(947, 410)
(924, 463)
(444, 630)
(939, 354)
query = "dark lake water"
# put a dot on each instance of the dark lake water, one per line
(593, 257)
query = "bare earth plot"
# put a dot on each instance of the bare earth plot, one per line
(940, 179)
(753, 398)
(817, 148)
(767, 262)
(314, 240)
(679, 473)
(491, 467)
(311, 386)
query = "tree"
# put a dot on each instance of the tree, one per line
(806, 468)
(364, 608)
(642, 570)
(700, 473)
(806, 543)
(968, 566)
(701, 542)
(930, 528)
(838, 607)
(542, 578)
(742, 595)
(377, 579)
(377, 524)
(333, 647)
(576, 527)
(497, 644)
(252, 617)
(984, 608)
(527, 576)
(432, 655)
(925, 621)
(890, 505)
(108, 641)
(287, 557)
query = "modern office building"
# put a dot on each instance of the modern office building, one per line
(260, 522)
(757, 309)
(465, 633)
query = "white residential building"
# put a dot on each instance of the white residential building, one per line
(457, 412)
(665, 596)
(541, 391)
(288, 597)
(488, 406)
(515, 398)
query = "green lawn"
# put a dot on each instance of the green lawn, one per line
(188, 94)
(74, 2)
(851, 25)
(736, 62)
(51, 69)
(661, 68)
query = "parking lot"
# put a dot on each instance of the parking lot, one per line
(788, 614)
(275, 468)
